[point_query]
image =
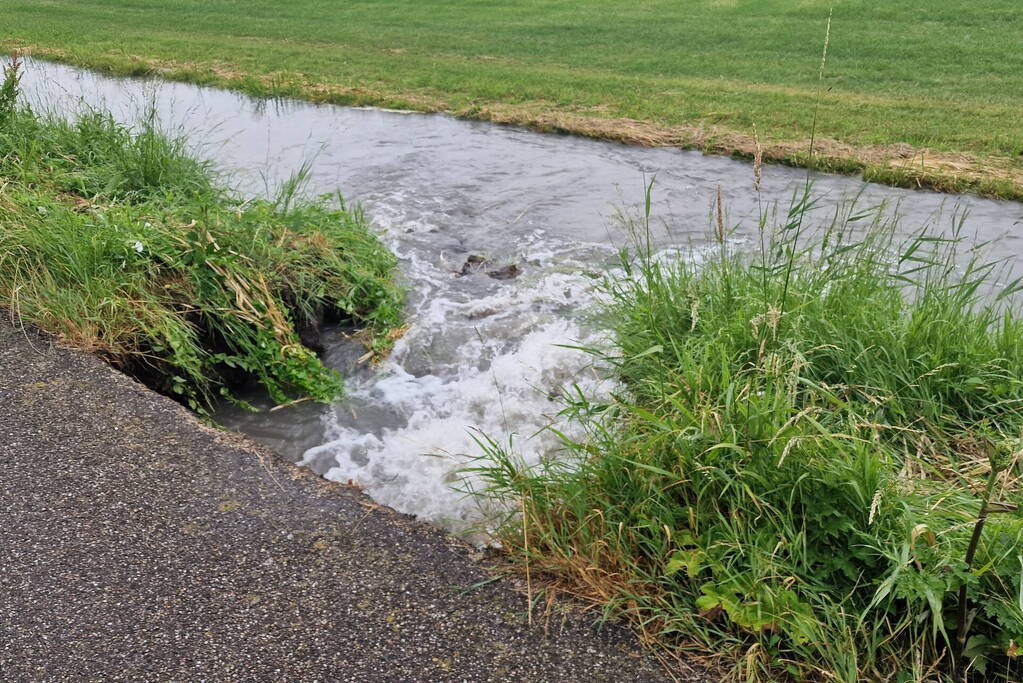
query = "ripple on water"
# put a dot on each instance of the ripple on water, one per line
(481, 355)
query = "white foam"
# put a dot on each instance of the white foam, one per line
(412, 467)
(481, 353)
(471, 364)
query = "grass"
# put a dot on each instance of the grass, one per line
(120, 242)
(914, 96)
(810, 467)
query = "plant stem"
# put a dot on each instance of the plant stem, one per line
(971, 551)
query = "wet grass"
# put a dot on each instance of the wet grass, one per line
(914, 97)
(810, 468)
(119, 241)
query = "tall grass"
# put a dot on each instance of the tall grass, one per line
(119, 241)
(789, 476)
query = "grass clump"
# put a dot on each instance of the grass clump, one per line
(795, 471)
(119, 241)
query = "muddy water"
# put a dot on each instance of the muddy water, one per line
(483, 354)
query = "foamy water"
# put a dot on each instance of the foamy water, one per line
(481, 355)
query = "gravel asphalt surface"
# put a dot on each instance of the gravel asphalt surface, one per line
(137, 544)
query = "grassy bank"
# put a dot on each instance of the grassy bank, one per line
(120, 242)
(913, 96)
(810, 469)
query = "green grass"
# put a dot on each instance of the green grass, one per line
(790, 472)
(945, 76)
(120, 242)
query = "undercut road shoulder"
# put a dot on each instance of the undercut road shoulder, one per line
(136, 543)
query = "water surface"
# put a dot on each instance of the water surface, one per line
(482, 355)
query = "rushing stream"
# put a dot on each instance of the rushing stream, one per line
(483, 354)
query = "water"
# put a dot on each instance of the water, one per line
(482, 355)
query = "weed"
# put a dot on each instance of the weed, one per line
(119, 241)
(788, 476)
(790, 472)
(9, 90)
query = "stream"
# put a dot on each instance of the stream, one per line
(487, 350)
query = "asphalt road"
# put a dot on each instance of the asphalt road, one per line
(137, 544)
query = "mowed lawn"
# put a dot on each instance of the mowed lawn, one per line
(946, 75)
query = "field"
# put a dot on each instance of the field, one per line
(910, 95)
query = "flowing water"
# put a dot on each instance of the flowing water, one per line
(483, 355)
